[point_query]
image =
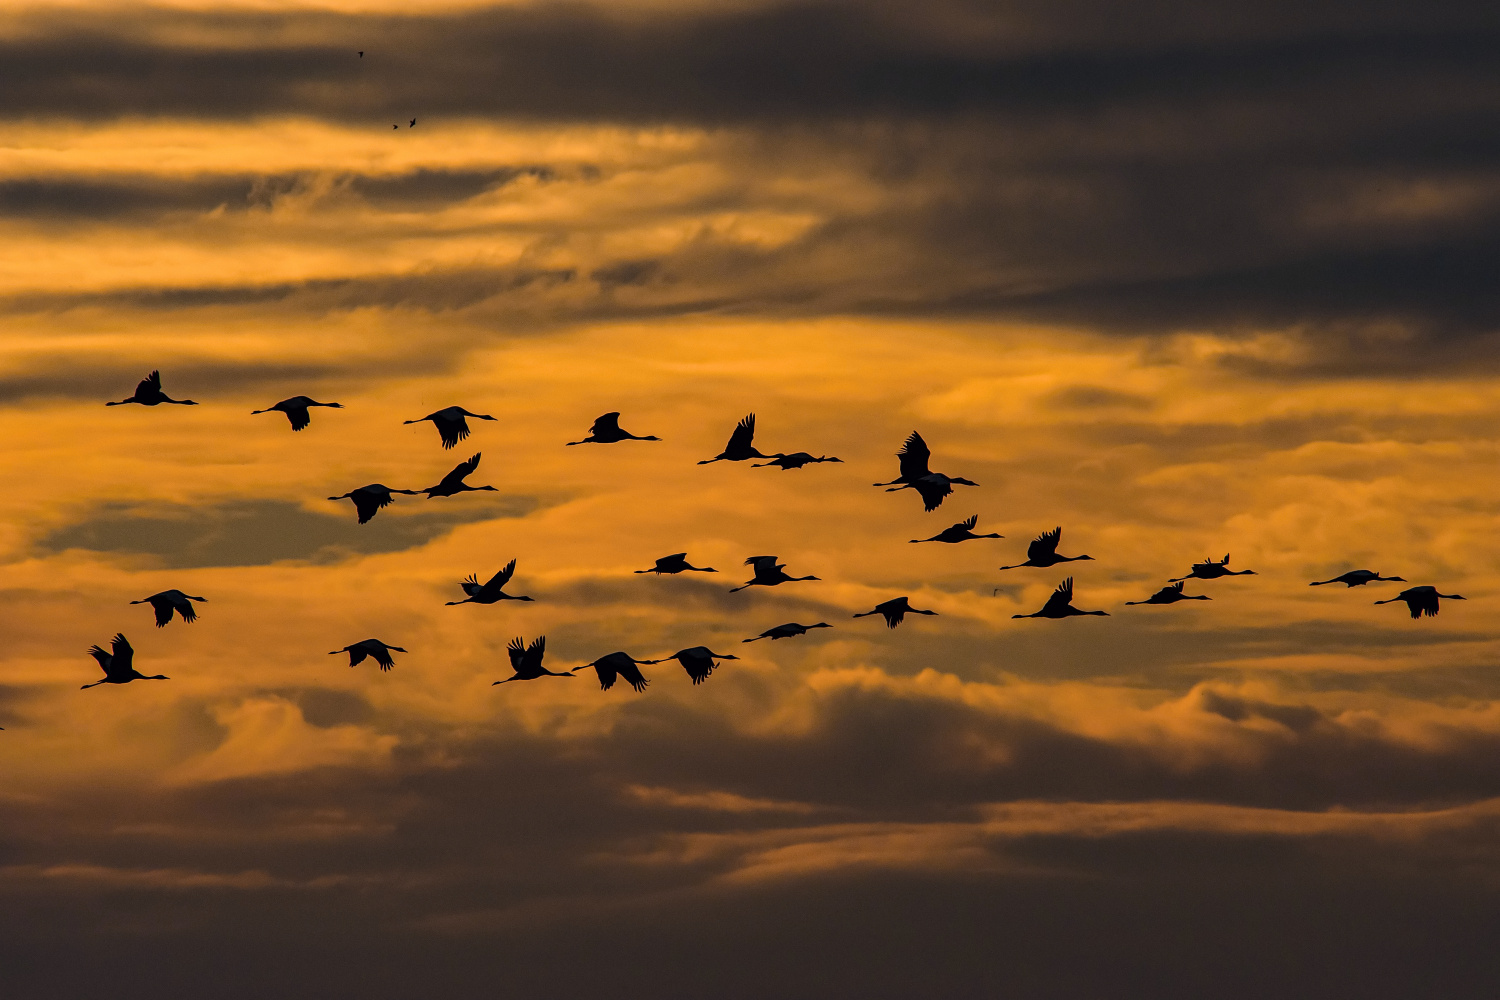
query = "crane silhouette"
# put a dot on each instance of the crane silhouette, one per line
(963, 531)
(1171, 595)
(933, 487)
(618, 664)
(913, 456)
(453, 482)
(676, 563)
(526, 661)
(148, 393)
(1210, 570)
(1358, 578)
(296, 410)
(380, 651)
(492, 591)
(450, 423)
(369, 499)
(1060, 604)
(795, 460)
(698, 661)
(739, 447)
(787, 631)
(894, 611)
(606, 430)
(1042, 552)
(1422, 600)
(168, 601)
(119, 665)
(768, 573)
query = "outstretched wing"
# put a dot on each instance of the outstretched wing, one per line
(99, 654)
(357, 655)
(1061, 598)
(762, 564)
(151, 383)
(934, 490)
(517, 651)
(461, 471)
(535, 652)
(1045, 545)
(383, 657)
(122, 655)
(914, 456)
(744, 434)
(632, 674)
(1173, 588)
(968, 525)
(500, 579)
(698, 663)
(609, 423)
(451, 429)
(366, 504)
(298, 416)
(163, 609)
(185, 609)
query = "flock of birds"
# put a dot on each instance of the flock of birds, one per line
(699, 661)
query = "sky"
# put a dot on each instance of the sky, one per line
(1184, 279)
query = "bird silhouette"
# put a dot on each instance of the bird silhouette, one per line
(450, 423)
(894, 611)
(768, 573)
(933, 487)
(1422, 600)
(795, 460)
(1171, 595)
(361, 54)
(492, 591)
(606, 430)
(1358, 578)
(739, 447)
(1210, 570)
(698, 661)
(787, 631)
(618, 664)
(453, 482)
(526, 661)
(1042, 552)
(381, 651)
(148, 393)
(913, 456)
(960, 532)
(676, 563)
(413, 124)
(296, 410)
(119, 665)
(1060, 604)
(369, 499)
(168, 601)
(395, 126)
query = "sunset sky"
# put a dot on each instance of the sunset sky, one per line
(1182, 278)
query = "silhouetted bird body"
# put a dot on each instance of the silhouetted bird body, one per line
(1171, 595)
(450, 423)
(606, 430)
(894, 611)
(739, 447)
(1042, 552)
(412, 123)
(933, 487)
(768, 573)
(369, 499)
(168, 601)
(490, 592)
(1208, 569)
(527, 661)
(119, 664)
(296, 410)
(1358, 578)
(963, 531)
(618, 665)
(1060, 604)
(379, 651)
(676, 563)
(913, 456)
(148, 393)
(454, 483)
(787, 631)
(795, 460)
(698, 661)
(1422, 600)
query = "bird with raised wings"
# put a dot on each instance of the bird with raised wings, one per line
(374, 648)
(698, 661)
(795, 460)
(1042, 552)
(787, 631)
(526, 661)
(119, 664)
(1208, 569)
(1060, 604)
(676, 563)
(894, 611)
(168, 601)
(963, 531)
(1358, 578)
(454, 483)
(933, 487)
(739, 447)
(148, 393)
(295, 409)
(1422, 600)
(1171, 594)
(768, 573)
(371, 498)
(606, 430)
(492, 591)
(450, 423)
(618, 665)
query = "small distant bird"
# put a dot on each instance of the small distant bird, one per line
(413, 123)
(395, 126)
(618, 664)
(795, 460)
(450, 423)
(1210, 570)
(606, 430)
(527, 661)
(148, 393)
(1042, 552)
(1171, 595)
(960, 532)
(1060, 604)
(381, 651)
(119, 665)
(894, 611)
(369, 499)
(361, 53)
(492, 591)
(739, 447)
(453, 482)
(1422, 600)
(787, 631)
(296, 410)
(676, 563)
(698, 661)
(168, 601)
(768, 573)
(1358, 578)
